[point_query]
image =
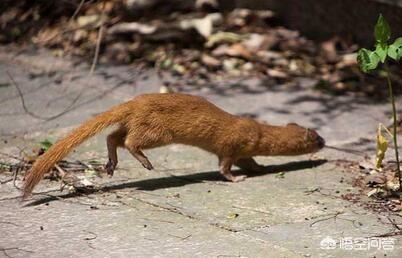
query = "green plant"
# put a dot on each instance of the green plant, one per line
(46, 144)
(369, 60)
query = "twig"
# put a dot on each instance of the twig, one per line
(391, 93)
(21, 95)
(6, 181)
(4, 250)
(397, 230)
(356, 152)
(389, 234)
(98, 42)
(334, 216)
(15, 178)
(10, 223)
(92, 233)
(182, 238)
(394, 223)
(76, 11)
(382, 126)
(62, 175)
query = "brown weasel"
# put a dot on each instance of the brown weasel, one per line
(153, 120)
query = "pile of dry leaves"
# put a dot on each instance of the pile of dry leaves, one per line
(190, 39)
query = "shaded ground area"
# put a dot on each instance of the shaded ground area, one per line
(183, 208)
(199, 41)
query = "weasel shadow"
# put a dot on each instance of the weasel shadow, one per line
(182, 180)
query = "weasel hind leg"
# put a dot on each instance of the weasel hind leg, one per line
(225, 165)
(114, 140)
(140, 156)
(144, 139)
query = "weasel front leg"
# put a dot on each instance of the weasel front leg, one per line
(249, 164)
(225, 165)
(114, 140)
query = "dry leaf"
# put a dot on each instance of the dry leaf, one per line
(232, 215)
(210, 61)
(274, 73)
(94, 20)
(223, 37)
(235, 50)
(132, 27)
(382, 146)
(203, 26)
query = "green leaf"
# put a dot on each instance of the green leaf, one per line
(232, 215)
(395, 50)
(368, 60)
(398, 42)
(280, 175)
(46, 144)
(382, 50)
(382, 30)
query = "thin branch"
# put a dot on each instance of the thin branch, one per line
(76, 11)
(6, 181)
(10, 223)
(333, 216)
(391, 93)
(15, 178)
(96, 56)
(33, 114)
(4, 250)
(62, 174)
(356, 152)
(98, 42)
(94, 236)
(182, 238)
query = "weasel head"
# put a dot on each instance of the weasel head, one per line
(301, 140)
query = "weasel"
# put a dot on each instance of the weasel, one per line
(153, 120)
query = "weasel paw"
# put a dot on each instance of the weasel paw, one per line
(235, 179)
(147, 165)
(110, 166)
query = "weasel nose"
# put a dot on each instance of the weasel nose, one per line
(321, 142)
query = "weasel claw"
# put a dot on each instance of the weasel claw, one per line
(110, 166)
(147, 165)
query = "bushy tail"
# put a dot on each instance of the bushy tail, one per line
(62, 147)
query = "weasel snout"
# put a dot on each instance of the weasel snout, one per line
(321, 142)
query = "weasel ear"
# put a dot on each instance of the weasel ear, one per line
(292, 124)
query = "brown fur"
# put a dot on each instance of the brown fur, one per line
(154, 120)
